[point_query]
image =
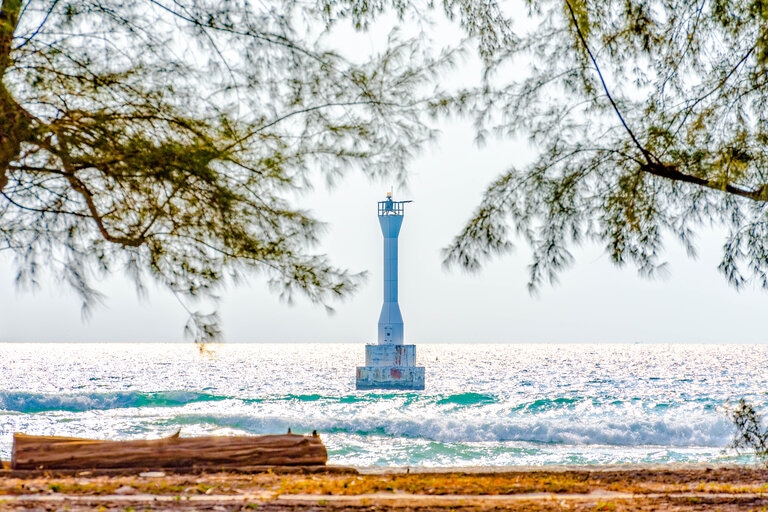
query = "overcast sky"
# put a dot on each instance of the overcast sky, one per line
(594, 302)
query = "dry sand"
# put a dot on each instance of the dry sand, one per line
(341, 489)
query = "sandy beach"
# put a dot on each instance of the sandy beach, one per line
(631, 488)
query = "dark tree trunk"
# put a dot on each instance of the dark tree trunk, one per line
(14, 121)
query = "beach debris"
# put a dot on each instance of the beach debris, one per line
(152, 474)
(220, 452)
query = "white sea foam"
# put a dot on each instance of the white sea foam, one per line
(484, 404)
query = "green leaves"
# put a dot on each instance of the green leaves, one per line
(750, 435)
(166, 138)
(578, 12)
(169, 139)
(649, 120)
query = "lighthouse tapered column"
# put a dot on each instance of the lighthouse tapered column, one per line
(390, 319)
(390, 364)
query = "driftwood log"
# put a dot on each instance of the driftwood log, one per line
(47, 452)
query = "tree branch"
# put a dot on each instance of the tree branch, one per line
(653, 164)
(40, 26)
(647, 154)
(720, 84)
(274, 39)
(296, 113)
(79, 187)
(14, 120)
(671, 172)
(41, 210)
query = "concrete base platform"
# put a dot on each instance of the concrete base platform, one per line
(390, 377)
(390, 355)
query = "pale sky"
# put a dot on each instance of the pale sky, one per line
(594, 302)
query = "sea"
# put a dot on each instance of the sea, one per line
(484, 404)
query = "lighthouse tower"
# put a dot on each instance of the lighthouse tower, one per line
(390, 364)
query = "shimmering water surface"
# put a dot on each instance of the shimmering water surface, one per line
(483, 405)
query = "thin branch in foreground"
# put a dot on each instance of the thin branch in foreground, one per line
(653, 164)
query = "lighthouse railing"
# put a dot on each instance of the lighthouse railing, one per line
(392, 207)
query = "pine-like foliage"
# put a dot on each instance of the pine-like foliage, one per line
(170, 139)
(750, 435)
(649, 119)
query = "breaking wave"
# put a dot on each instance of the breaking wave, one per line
(484, 405)
(31, 403)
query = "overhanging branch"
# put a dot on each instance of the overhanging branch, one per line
(647, 154)
(653, 165)
(297, 112)
(41, 210)
(671, 172)
(79, 187)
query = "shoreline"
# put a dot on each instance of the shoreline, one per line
(5, 469)
(5, 466)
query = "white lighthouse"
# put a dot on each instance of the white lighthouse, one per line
(390, 364)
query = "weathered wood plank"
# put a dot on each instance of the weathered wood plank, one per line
(48, 452)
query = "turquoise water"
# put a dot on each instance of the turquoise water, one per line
(499, 404)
